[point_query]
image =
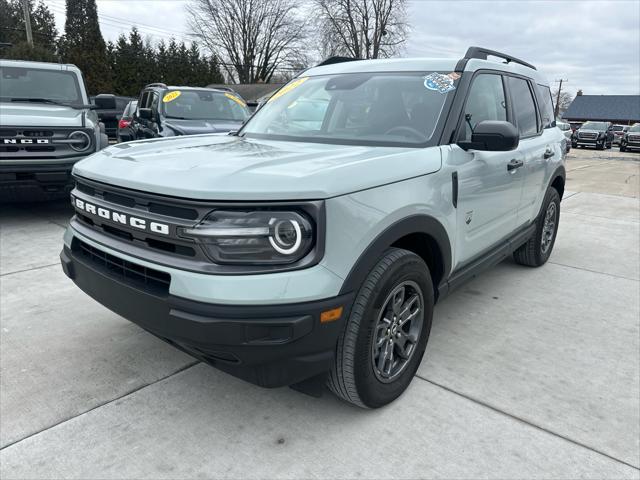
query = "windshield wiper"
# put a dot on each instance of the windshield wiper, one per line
(48, 100)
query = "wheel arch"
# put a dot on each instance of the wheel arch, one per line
(558, 180)
(421, 234)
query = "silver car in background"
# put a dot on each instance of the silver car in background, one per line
(567, 131)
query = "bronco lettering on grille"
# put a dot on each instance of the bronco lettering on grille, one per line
(135, 222)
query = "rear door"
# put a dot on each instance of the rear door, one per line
(488, 192)
(536, 146)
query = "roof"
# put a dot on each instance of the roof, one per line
(424, 65)
(41, 65)
(604, 107)
(250, 92)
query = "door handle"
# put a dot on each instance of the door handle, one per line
(514, 164)
(548, 153)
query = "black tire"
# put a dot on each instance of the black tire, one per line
(533, 253)
(623, 148)
(352, 377)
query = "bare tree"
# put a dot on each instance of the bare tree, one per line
(252, 38)
(362, 28)
(565, 100)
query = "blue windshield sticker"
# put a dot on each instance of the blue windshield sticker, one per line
(440, 82)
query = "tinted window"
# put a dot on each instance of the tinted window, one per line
(354, 108)
(523, 107)
(486, 101)
(546, 106)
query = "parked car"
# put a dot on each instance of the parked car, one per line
(46, 126)
(566, 130)
(631, 138)
(299, 252)
(111, 116)
(593, 134)
(125, 132)
(618, 133)
(173, 111)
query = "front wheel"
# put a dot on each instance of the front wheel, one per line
(384, 338)
(538, 248)
(623, 148)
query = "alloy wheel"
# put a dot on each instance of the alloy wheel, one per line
(549, 227)
(397, 331)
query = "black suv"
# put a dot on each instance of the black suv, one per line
(593, 134)
(170, 111)
(631, 139)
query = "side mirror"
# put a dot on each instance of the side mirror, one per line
(493, 136)
(105, 101)
(145, 113)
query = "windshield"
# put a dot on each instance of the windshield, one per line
(635, 128)
(594, 126)
(618, 128)
(204, 105)
(33, 83)
(356, 108)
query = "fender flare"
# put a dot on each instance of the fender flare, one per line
(367, 260)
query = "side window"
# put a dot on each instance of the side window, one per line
(486, 101)
(153, 104)
(524, 107)
(546, 106)
(142, 103)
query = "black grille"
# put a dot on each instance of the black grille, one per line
(588, 135)
(137, 276)
(634, 138)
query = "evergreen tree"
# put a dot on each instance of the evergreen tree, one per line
(12, 30)
(84, 46)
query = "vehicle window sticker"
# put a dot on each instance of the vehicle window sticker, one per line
(238, 100)
(171, 96)
(287, 88)
(439, 82)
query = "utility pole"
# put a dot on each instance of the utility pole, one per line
(27, 22)
(557, 112)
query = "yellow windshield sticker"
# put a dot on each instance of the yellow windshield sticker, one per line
(171, 96)
(287, 88)
(239, 101)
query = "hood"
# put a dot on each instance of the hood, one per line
(195, 127)
(213, 167)
(39, 115)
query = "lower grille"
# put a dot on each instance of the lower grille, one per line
(137, 276)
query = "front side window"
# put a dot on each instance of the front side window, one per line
(486, 101)
(524, 107)
(546, 106)
(30, 84)
(204, 105)
(355, 108)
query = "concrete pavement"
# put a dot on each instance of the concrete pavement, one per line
(529, 373)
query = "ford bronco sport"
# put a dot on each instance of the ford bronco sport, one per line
(46, 125)
(311, 246)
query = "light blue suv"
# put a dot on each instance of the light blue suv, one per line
(310, 247)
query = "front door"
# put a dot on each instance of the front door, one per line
(489, 183)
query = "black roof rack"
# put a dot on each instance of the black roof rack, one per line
(483, 53)
(158, 84)
(332, 60)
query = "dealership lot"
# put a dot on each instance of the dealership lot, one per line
(529, 373)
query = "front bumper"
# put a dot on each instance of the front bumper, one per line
(269, 345)
(631, 145)
(587, 142)
(35, 181)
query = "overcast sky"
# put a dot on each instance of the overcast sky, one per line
(594, 44)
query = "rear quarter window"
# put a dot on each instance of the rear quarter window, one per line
(546, 106)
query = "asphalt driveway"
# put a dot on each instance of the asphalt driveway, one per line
(529, 373)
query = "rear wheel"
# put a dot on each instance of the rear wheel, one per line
(538, 248)
(385, 337)
(623, 148)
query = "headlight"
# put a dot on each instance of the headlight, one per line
(264, 237)
(79, 141)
